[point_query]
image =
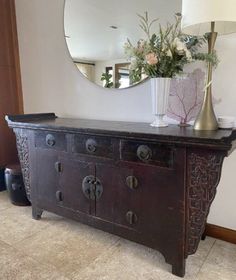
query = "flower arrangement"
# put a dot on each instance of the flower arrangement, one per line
(166, 53)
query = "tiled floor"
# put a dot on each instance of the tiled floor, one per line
(60, 249)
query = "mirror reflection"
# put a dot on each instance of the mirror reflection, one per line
(96, 32)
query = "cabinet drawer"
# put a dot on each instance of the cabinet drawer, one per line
(93, 145)
(148, 153)
(50, 140)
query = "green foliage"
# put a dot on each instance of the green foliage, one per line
(106, 77)
(166, 53)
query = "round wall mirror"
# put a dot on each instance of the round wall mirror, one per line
(96, 32)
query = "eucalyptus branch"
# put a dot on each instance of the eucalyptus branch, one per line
(145, 25)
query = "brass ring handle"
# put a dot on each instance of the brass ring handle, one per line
(58, 167)
(132, 182)
(144, 153)
(50, 140)
(131, 217)
(91, 145)
(59, 196)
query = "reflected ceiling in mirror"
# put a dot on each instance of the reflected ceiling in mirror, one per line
(96, 31)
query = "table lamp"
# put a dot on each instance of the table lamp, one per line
(216, 17)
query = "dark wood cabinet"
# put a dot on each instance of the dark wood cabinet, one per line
(152, 186)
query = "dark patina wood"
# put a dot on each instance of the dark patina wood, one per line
(152, 186)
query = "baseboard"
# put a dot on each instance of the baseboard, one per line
(221, 233)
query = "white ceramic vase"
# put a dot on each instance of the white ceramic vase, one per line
(160, 88)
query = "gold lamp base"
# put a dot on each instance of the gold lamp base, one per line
(206, 120)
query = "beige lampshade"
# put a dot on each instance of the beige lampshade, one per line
(198, 15)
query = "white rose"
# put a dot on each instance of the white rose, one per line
(181, 49)
(169, 53)
(188, 55)
(133, 64)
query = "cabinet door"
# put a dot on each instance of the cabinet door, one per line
(72, 176)
(115, 201)
(147, 199)
(46, 176)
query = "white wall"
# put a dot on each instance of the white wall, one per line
(52, 83)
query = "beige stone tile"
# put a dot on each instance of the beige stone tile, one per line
(225, 246)
(222, 257)
(16, 266)
(195, 262)
(67, 245)
(215, 272)
(4, 201)
(16, 224)
(128, 260)
(3, 246)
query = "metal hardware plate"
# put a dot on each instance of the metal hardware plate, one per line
(92, 187)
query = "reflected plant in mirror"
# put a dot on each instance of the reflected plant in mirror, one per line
(107, 78)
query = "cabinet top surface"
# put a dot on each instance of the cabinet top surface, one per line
(172, 133)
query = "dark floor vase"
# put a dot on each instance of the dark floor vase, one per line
(2, 181)
(15, 186)
(150, 185)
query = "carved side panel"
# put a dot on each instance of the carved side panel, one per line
(23, 153)
(204, 171)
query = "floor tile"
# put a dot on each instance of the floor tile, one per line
(3, 246)
(128, 260)
(16, 266)
(4, 201)
(16, 224)
(67, 245)
(223, 257)
(215, 272)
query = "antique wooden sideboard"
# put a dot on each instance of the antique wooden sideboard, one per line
(149, 185)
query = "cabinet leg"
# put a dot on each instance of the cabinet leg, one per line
(203, 235)
(36, 213)
(178, 268)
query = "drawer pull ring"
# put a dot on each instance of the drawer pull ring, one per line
(59, 196)
(91, 145)
(131, 218)
(132, 182)
(50, 140)
(144, 153)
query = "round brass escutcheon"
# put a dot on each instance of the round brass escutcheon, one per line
(131, 217)
(91, 145)
(144, 153)
(50, 140)
(132, 182)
